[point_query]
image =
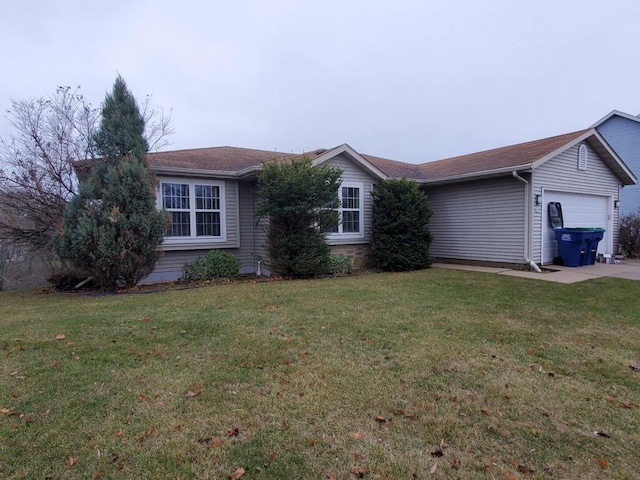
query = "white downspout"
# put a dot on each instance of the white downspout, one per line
(527, 221)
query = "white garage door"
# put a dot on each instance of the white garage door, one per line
(578, 210)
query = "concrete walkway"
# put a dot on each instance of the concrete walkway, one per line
(629, 269)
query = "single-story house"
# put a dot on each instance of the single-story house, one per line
(487, 207)
(622, 133)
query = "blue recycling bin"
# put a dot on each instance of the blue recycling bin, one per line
(596, 234)
(573, 245)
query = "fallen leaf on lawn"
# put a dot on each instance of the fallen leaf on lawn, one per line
(524, 469)
(190, 394)
(358, 473)
(601, 434)
(145, 319)
(233, 432)
(61, 337)
(71, 462)
(455, 463)
(434, 468)
(205, 441)
(217, 442)
(239, 473)
(603, 463)
(4, 411)
(628, 405)
(119, 433)
(487, 411)
(380, 419)
(437, 453)
(142, 397)
(99, 474)
(357, 435)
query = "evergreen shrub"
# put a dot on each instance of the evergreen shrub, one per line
(400, 226)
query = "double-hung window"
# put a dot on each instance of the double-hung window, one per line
(196, 209)
(350, 211)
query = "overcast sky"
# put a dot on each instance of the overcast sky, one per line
(408, 80)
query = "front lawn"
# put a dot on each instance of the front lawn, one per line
(431, 374)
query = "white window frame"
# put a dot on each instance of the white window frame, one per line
(193, 238)
(340, 234)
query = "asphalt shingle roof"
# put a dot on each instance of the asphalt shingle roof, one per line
(496, 159)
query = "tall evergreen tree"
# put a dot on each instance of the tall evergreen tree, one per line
(112, 229)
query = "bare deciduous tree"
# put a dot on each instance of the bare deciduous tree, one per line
(37, 178)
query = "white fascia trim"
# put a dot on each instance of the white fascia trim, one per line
(618, 113)
(524, 168)
(344, 148)
(193, 172)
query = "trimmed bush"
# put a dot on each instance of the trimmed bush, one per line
(193, 271)
(299, 200)
(219, 264)
(215, 265)
(340, 264)
(629, 235)
(400, 226)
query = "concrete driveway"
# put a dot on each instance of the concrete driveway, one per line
(628, 269)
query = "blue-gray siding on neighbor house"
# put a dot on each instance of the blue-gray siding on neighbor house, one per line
(623, 135)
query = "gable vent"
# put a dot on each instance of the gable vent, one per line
(582, 157)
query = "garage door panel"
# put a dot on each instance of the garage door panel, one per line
(578, 210)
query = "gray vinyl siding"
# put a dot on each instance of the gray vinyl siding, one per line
(623, 135)
(353, 173)
(479, 220)
(252, 237)
(561, 174)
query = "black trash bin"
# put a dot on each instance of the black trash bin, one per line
(596, 235)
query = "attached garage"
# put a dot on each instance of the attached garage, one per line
(579, 210)
(475, 220)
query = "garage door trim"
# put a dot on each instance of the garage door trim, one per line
(606, 219)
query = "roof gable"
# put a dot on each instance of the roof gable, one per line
(616, 113)
(359, 159)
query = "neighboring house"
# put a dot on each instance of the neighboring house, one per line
(487, 207)
(622, 133)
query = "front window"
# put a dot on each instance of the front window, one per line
(195, 209)
(350, 211)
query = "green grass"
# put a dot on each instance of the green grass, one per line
(431, 374)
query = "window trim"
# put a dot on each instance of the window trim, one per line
(193, 238)
(340, 235)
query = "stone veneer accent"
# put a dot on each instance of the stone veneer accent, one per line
(359, 253)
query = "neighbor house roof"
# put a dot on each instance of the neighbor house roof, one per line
(616, 113)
